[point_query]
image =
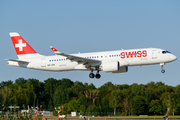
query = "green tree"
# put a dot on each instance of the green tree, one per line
(105, 103)
(23, 95)
(50, 86)
(67, 83)
(38, 88)
(125, 100)
(30, 93)
(166, 101)
(6, 83)
(61, 96)
(82, 109)
(5, 93)
(74, 105)
(103, 96)
(91, 87)
(177, 93)
(77, 90)
(155, 107)
(93, 108)
(115, 100)
(174, 102)
(138, 104)
(83, 100)
(137, 90)
(20, 81)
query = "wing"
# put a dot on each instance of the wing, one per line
(76, 58)
(17, 60)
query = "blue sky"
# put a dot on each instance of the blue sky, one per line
(90, 26)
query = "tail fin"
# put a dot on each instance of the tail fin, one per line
(23, 49)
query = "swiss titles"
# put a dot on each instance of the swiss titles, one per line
(133, 54)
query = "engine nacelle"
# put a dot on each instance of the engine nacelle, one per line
(122, 70)
(114, 66)
(110, 66)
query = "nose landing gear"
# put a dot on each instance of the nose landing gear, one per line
(163, 71)
(162, 64)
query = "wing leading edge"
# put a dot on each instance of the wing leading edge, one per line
(75, 58)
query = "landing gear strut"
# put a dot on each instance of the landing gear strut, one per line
(163, 71)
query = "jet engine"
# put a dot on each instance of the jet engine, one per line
(114, 66)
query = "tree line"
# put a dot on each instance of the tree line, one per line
(150, 99)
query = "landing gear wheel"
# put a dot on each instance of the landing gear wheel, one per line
(91, 75)
(163, 71)
(98, 76)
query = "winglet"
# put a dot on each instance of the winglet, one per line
(55, 50)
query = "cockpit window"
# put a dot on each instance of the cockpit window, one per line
(164, 52)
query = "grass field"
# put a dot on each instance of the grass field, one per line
(114, 118)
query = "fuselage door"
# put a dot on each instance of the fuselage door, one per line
(154, 54)
(43, 62)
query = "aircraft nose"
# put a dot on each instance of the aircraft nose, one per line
(173, 58)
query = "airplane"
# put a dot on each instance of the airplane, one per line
(107, 61)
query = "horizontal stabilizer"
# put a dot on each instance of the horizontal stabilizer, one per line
(22, 61)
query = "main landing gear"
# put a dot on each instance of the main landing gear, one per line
(162, 70)
(91, 75)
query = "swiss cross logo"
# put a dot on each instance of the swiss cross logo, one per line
(52, 48)
(20, 45)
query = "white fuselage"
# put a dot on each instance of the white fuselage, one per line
(132, 57)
